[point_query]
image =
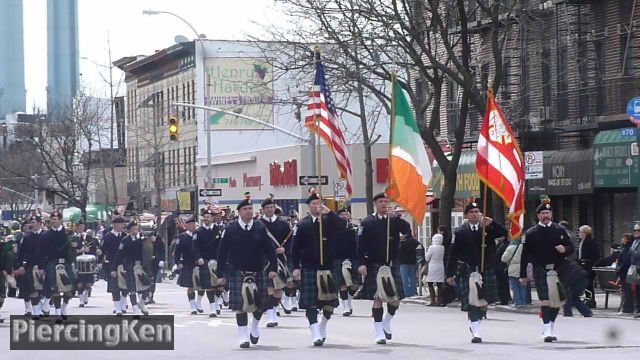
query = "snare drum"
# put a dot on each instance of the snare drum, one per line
(86, 264)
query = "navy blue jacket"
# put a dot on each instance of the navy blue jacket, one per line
(305, 248)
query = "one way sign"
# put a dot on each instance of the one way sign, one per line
(210, 192)
(313, 180)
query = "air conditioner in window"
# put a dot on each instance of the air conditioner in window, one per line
(544, 112)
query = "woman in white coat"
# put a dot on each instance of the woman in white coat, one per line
(435, 273)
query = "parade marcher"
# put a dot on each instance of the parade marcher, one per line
(220, 219)
(153, 254)
(244, 247)
(465, 263)
(344, 267)
(280, 233)
(109, 249)
(57, 255)
(206, 251)
(546, 246)
(384, 283)
(185, 258)
(30, 282)
(313, 264)
(87, 245)
(129, 256)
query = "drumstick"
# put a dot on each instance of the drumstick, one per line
(287, 238)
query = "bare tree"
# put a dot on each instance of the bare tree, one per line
(429, 43)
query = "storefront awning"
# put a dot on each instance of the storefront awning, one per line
(467, 183)
(568, 172)
(616, 158)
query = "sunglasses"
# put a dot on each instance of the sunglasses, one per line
(636, 229)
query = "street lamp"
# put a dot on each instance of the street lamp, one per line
(199, 38)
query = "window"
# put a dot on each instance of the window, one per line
(584, 81)
(546, 76)
(452, 106)
(563, 84)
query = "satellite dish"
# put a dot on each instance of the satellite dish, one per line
(180, 39)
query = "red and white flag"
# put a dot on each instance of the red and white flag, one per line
(323, 120)
(500, 164)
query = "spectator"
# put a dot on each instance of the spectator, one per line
(502, 277)
(511, 258)
(613, 256)
(588, 254)
(435, 273)
(407, 260)
(635, 259)
(574, 279)
(624, 262)
(572, 236)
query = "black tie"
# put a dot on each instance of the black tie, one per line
(246, 227)
(474, 228)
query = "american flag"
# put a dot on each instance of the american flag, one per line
(322, 109)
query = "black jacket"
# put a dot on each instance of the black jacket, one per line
(467, 247)
(590, 253)
(372, 242)
(305, 249)
(539, 246)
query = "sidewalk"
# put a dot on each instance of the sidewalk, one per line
(534, 308)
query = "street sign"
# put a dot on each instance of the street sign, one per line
(313, 180)
(220, 180)
(210, 192)
(533, 165)
(340, 189)
(633, 109)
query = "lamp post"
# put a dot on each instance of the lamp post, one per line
(204, 84)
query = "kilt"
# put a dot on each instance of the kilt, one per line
(235, 290)
(540, 277)
(112, 283)
(205, 277)
(130, 277)
(372, 285)
(85, 279)
(50, 283)
(25, 283)
(309, 290)
(488, 284)
(337, 273)
(185, 278)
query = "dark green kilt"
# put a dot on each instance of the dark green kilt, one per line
(50, 282)
(25, 283)
(540, 277)
(235, 282)
(309, 290)
(372, 284)
(112, 283)
(488, 284)
(205, 277)
(185, 279)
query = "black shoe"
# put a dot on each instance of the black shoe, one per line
(82, 305)
(254, 340)
(637, 315)
(553, 338)
(218, 312)
(272, 324)
(287, 311)
(548, 339)
(387, 335)
(58, 321)
(318, 342)
(346, 313)
(151, 301)
(64, 317)
(476, 340)
(27, 314)
(381, 342)
(294, 309)
(119, 314)
(35, 318)
(245, 345)
(200, 311)
(194, 313)
(278, 313)
(45, 313)
(212, 315)
(225, 303)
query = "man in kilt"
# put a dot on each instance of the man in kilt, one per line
(465, 259)
(245, 244)
(346, 244)
(281, 236)
(153, 253)
(206, 249)
(58, 254)
(109, 249)
(185, 257)
(26, 258)
(311, 261)
(87, 245)
(373, 245)
(129, 255)
(546, 246)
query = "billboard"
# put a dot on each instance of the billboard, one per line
(242, 85)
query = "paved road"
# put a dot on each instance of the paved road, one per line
(419, 331)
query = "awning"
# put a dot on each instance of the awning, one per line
(568, 172)
(616, 158)
(467, 182)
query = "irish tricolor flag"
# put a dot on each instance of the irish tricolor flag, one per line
(409, 168)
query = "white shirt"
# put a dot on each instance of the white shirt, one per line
(474, 227)
(115, 233)
(58, 228)
(207, 227)
(270, 219)
(244, 225)
(543, 225)
(380, 217)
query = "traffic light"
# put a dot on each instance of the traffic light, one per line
(173, 127)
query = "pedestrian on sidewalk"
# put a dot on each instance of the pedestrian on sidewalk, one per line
(511, 258)
(435, 261)
(408, 264)
(624, 262)
(588, 254)
(635, 260)
(501, 270)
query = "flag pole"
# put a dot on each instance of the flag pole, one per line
(484, 209)
(319, 163)
(393, 121)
